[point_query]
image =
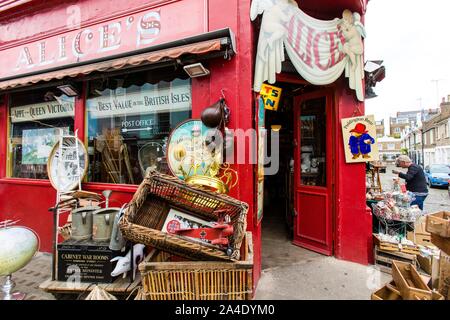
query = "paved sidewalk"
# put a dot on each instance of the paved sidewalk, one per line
(32, 275)
(291, 272)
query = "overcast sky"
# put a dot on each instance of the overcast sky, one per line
(412, 37)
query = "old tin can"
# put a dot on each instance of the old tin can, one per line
(103, 221)
(82, 222)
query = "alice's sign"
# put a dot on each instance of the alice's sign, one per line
(150, 99)
(319, 50)
(42, 111)
(125, 34)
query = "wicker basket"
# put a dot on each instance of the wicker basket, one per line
(143, 219)
(198, 280)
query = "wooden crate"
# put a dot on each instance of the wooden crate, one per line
(388, 292)
(383, 259)
(384, 245)
(423, 239)
(444, 275)
(441, 242)
(199, 280)
(409, 282)
(439, 224)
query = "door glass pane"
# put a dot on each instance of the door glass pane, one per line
(313, 142)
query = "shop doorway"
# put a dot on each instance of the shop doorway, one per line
(298, 199)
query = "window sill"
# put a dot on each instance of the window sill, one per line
(94, 186)
(26, 181)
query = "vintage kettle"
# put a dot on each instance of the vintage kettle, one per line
(214, 115)
(82, 222)
(102, 223)
(117, 241)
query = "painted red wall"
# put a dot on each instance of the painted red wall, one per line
(353, 225)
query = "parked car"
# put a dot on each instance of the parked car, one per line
(437, 175)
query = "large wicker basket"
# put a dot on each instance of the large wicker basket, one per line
(198, 280)
(143, 219)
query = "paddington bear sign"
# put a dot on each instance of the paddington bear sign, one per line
(319, 50)
(359, 139)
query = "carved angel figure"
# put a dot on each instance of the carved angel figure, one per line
(353, 31)
(270, 45)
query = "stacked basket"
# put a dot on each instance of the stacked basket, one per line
(205, 278)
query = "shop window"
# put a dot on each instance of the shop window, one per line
(36, 118)
(313, 143)
(128, 124)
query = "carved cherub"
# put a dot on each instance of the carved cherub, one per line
(276, 14)
(353, 31)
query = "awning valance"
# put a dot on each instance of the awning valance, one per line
(196, 48)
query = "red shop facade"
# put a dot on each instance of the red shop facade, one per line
(104, 47)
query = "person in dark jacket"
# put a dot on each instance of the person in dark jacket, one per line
(415, 180)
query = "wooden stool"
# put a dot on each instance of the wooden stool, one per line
(375, 172)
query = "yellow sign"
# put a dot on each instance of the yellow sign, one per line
(271, 96)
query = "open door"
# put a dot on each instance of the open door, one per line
(312, 172)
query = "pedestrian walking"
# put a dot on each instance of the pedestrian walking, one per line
(415, 180)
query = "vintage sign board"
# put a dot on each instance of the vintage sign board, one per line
(123, 35)
(150, 99)
(271, 96)
(359, 135)
(85, 261)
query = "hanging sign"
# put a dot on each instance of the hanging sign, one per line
(319, 50)
(359, 141)
(271, 96)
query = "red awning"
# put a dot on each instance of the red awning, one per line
(116, 64)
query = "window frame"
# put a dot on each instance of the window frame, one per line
(200, 95)
(6, 171)
(86, 133)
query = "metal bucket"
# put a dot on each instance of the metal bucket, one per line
(103, 221)
(117, 241)
(82, 222)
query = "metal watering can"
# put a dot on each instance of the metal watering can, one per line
(103, 221)
(117, 241)
(82, 222)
